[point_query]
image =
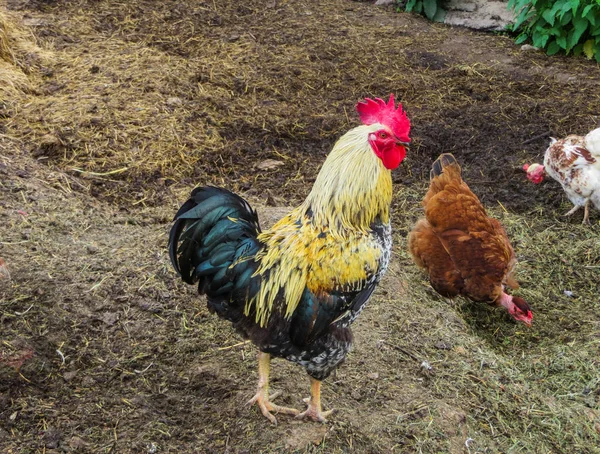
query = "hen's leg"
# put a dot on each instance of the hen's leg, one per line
(314, 411)
(572, 210)
(586, 212)
(262, 394)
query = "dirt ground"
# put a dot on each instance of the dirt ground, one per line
(113, 111)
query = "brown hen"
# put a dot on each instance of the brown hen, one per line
(464, 251)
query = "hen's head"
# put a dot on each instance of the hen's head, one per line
(535, 172)
(521, 311)
(517, 307)
(389, 135)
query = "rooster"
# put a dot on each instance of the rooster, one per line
(294, 289)
(464, 251)
(575, 163)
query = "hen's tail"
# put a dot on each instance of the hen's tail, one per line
(444, 171)
(213, 242)
(592, 142)
(441, 164)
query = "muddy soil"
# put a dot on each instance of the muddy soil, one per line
(132, 104)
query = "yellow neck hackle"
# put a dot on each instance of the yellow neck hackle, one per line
(353, 188)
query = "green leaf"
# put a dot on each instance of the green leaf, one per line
(597, 55)
(553, 48)
(580, 25)
(558, 6)
(562, 41)
(540, 38)
(440, 15)
(578, 49)
(410, 5)
(523, 16)
(430, 8)
(554, 31)
(566, 18)
(588, 48)
(549, 16)
(521, 38)
(591, 15)
(586, 10)
(574, 6)
(570, 40)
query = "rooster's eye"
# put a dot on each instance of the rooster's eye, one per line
(382, 135)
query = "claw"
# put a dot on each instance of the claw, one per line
(266, 406)
(314, 411)
(315, 414)
(261, 398)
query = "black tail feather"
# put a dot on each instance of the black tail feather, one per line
(213, 229)
(444, 160)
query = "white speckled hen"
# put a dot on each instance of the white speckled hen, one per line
(575, 163)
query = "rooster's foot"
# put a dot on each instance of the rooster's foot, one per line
(267, 407)
(314, 412)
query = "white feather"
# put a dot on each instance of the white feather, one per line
(592, 142)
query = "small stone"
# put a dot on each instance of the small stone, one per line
(34, 22)
(174, 102)
(110, 318)
(384, 2)
(529, 48)
(373, 375)
(77, 443)
(269, 164)
(91, 249)
(52, 438)
(152, 307)
(68, 376)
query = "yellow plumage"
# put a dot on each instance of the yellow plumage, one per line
(325, 242)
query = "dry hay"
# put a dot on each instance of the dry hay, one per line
(139, 101)
(19, 57)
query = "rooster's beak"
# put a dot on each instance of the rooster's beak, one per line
(404, 144)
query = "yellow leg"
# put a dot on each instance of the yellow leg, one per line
(572, 210)
(262, 394)
(314, 410)
(586, 213)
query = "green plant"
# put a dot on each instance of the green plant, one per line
(430, 8)
(569, 25)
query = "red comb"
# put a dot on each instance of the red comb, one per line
(378, 111)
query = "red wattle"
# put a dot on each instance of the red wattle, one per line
(392, 159)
